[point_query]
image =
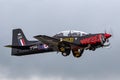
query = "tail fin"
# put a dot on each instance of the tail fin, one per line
(19, 38)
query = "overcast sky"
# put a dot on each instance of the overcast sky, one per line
(49, 17)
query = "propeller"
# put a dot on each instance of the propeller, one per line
(108, 35)
(110, 31)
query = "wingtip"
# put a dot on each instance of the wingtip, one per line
(35, 36)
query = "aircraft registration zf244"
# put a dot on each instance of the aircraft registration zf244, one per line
(64, 42)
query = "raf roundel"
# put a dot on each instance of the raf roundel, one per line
(45, 46)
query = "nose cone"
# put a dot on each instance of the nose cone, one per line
(107, 35)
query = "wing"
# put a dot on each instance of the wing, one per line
(53, 41)
(47, 40)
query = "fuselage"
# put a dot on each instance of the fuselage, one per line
(64, 42)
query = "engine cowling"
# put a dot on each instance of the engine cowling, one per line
(96, 42)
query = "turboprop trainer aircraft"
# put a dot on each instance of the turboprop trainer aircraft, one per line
(64, 42)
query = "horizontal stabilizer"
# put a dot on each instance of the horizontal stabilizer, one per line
(18, 47)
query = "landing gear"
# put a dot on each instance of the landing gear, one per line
(92, 48)
(64, 49)
(66, 53)
(77, 53)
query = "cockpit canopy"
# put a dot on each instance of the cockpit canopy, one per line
(71, 33)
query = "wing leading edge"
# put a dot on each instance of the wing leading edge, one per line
(53, 41)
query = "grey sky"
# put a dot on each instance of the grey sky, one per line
(49, 17)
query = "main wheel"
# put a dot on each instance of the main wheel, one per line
(66, 53)
(77, 53)
(64, 48)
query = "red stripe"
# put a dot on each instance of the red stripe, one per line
(23, 41)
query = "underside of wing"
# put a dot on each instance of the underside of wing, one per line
(53, 42)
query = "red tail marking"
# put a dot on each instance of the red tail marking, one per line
(22, 42)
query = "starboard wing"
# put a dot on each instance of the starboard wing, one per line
(53, 41)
